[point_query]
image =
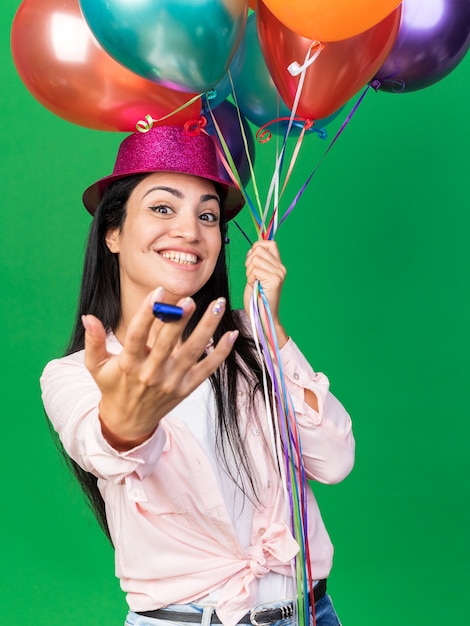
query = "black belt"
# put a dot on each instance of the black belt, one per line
(258, 618)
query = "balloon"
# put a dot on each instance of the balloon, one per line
(227, 119)
(256, 93)
(340, 70)
(67, 71)
(331, 20)
(224, 88)
(433, 38)
(183, 45)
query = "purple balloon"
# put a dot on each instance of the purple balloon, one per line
(433, 38)
(227, 119)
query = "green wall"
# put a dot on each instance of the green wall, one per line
(377, 295)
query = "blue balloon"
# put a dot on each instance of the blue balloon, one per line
(223, 89)
(181, 44)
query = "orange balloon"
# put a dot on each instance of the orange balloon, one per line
(252, 4)
(331, 20)
(340, 70)
(67, 71)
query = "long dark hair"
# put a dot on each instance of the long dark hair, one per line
(100, 296)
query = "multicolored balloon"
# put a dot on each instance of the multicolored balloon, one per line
(183, 45)
(341, 69)
(433, 38)
(66, 70)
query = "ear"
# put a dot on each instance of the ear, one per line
(112, 239)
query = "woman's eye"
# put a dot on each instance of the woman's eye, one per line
(163, 209)
(209, 217)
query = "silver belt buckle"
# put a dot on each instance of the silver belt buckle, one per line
(254, 614)
(287, 612)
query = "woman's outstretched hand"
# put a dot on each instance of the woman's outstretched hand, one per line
(263, 263)
(146, 380)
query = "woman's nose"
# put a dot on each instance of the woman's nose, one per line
(186, 226)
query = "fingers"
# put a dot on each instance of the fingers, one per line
(136, 343)
(185, 355)
(95, 342)
(155, 370)
(194, 346)
(167, 335)
(264, 246)
(136, 339)
(263, 262)
(181, 369)
(213, 361)
(153, 351)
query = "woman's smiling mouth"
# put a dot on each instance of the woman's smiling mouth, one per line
(182, 258)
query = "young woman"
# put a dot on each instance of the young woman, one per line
(165, 423)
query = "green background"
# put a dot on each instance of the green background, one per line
(377, 296)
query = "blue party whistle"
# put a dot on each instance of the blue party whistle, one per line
(167, 312)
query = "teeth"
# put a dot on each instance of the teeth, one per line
(184, 258)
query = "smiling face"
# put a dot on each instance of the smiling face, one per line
(170, 237)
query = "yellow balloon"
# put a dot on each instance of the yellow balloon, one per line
(331, 20)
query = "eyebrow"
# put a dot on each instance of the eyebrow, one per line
(179, 194)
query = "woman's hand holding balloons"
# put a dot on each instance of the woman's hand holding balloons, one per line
(155, 371)
(263, 264)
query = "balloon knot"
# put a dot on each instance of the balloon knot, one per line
(375, 84)
(321, 132)
(194, 127)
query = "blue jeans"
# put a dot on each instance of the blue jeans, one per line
(325, 615)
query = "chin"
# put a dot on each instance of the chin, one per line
(174, 294)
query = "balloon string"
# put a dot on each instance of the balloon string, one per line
(254, 214)
(315, 49)
(283, 428)
(308, 124)
(245, 143)
(243, 232)
(273, 224)
(287, 445)
(228, 162)
(263, 134)
(374, 85)
(287, 448)
(295, 69)
(143, 126)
